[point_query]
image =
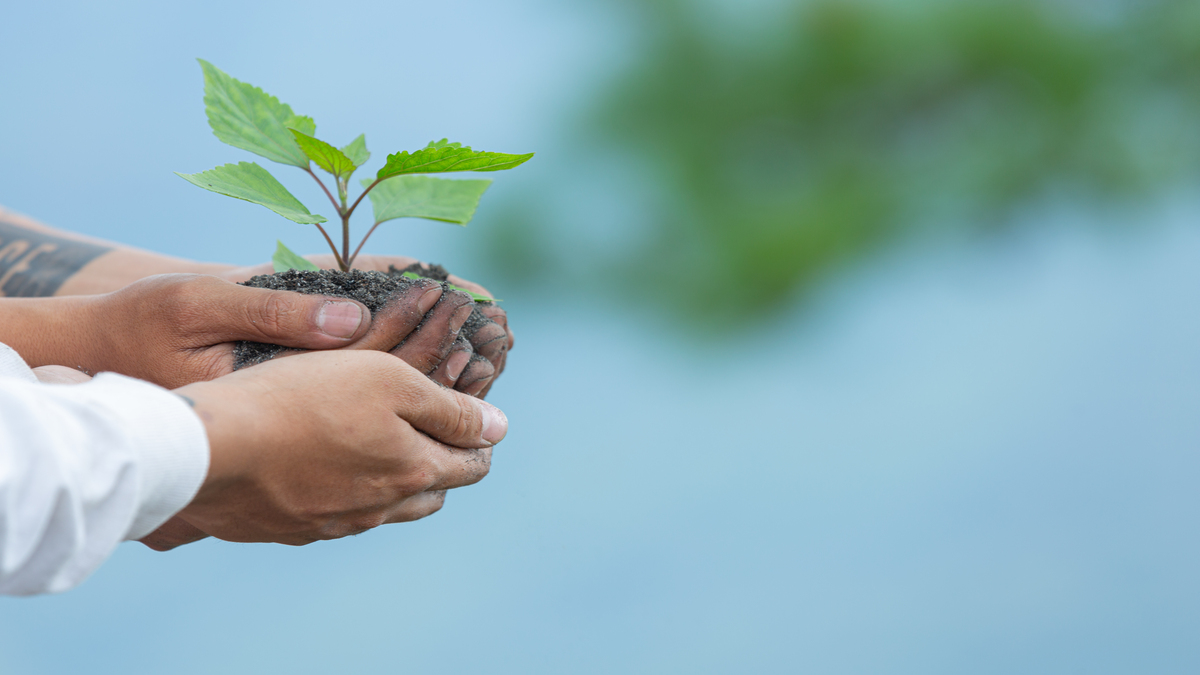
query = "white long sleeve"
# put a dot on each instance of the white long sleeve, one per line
(84, 467)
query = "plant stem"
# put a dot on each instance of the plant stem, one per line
(329, 241)
(360, 244)
(346, 243)
(360, 197)
(327, 192)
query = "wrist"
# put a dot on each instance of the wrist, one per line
(52, 331)
(226, 414)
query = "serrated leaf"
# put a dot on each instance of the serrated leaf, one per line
(474, 296)
(443, 156)
(247, 117)
(302, 123)
(325, 155)
(450, 201)
(284, 260)
(357, 151)
(251, 182)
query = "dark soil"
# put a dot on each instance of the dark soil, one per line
(435, 271)
(372, 289)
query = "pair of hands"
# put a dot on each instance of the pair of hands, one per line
(319, 444)
(175, 329)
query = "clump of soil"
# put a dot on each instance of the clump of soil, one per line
(372, 289)
(435, 271)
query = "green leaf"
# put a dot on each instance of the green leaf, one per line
(325, 155)
(474, 296)
(247, 117)
(251, 182)
(450, 201)
(302, 123)
(443, 156)
(284, 260)
(357, 151)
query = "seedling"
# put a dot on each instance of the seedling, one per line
(246, 117)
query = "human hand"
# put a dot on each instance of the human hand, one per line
(492, 339)
(175, 329)
(381, 444)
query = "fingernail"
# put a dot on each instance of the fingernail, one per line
(457, 363)
(339, 319)
(460, 317)
(429, 299)
(495, 423)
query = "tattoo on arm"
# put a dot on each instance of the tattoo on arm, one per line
(34, 264)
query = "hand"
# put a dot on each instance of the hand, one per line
(380, 444)
(491, 340)
(175, 329)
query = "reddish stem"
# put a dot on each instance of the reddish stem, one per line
(327, 192)
(329, 241)
(346, 243)
(364, 240)
(360, 197)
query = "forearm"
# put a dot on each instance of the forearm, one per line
(49, 331)
(39, 261)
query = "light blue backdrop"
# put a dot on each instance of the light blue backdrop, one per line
(971, 459)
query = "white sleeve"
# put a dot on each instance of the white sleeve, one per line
(84, 467)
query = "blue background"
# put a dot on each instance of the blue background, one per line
(966, 457)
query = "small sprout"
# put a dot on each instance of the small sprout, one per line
(247, 117)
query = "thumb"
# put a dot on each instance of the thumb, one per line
(287, 318)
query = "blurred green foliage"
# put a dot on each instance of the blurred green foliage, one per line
(833, 129)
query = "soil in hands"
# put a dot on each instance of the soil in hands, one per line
(372, 289)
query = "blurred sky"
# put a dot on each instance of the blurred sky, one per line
(972, 455)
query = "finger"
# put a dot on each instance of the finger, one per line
(493, 311)
(427, 346)
(461, 467)
(487, 337)
(490, 309)
(447, 416)
(401, 314)
(172, 534)
(417, 507)
(229, 312)
(477, 375)
(448, 372)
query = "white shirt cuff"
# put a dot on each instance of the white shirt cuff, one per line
(170, 442)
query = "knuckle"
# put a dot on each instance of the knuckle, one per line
(480, 465)
(434, 504)
(418, 480)
(424, 505)
(366, 522)
(463, 423)
(273, 312)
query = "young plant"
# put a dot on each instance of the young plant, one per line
(246, 117)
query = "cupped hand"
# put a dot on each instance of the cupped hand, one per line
(490, 340)
(381, 443)
(175, 329)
